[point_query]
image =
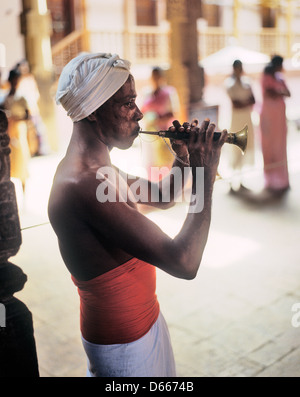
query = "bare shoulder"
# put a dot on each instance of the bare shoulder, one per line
(65, 190)
(82, 195)
(68, 184)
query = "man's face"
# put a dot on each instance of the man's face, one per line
(118, 117)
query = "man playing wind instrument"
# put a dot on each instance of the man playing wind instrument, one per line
(110, 248)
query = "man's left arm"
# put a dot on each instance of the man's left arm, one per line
(163, 194)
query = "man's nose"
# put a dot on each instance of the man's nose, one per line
(139, 114)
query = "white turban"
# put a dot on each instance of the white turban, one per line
(88, 81)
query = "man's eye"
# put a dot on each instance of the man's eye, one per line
(130, 104)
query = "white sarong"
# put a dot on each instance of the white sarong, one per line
(149, 356)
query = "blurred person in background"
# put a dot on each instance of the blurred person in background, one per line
(239, 90)
(273, 127)
(17, 111)
(28, 88)
(160, 107)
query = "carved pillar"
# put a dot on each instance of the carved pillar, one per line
(185, 73)
(18, 356)
(36, 27)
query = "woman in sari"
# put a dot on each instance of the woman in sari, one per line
(17, 112)
(239, 90)
(274, 127)
(160, 107)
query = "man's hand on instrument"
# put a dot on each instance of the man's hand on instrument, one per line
(203, 149)
(180, 146)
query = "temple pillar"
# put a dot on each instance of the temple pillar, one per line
(185, 72)
(236, 10)
(36, 27)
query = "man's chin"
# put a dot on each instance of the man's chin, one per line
(126, 144)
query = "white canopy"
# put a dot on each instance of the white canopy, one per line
(221, 61)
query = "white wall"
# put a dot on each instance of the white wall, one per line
(10, 35)
(105, 16)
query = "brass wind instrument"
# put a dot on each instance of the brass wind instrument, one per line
(235, 138)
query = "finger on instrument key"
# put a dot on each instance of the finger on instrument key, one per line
(203, 128)
(194, 133)
(176, 124)
(186, 126)
(210, 131)
(205, 124)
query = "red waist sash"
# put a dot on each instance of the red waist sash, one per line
(119, 306)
